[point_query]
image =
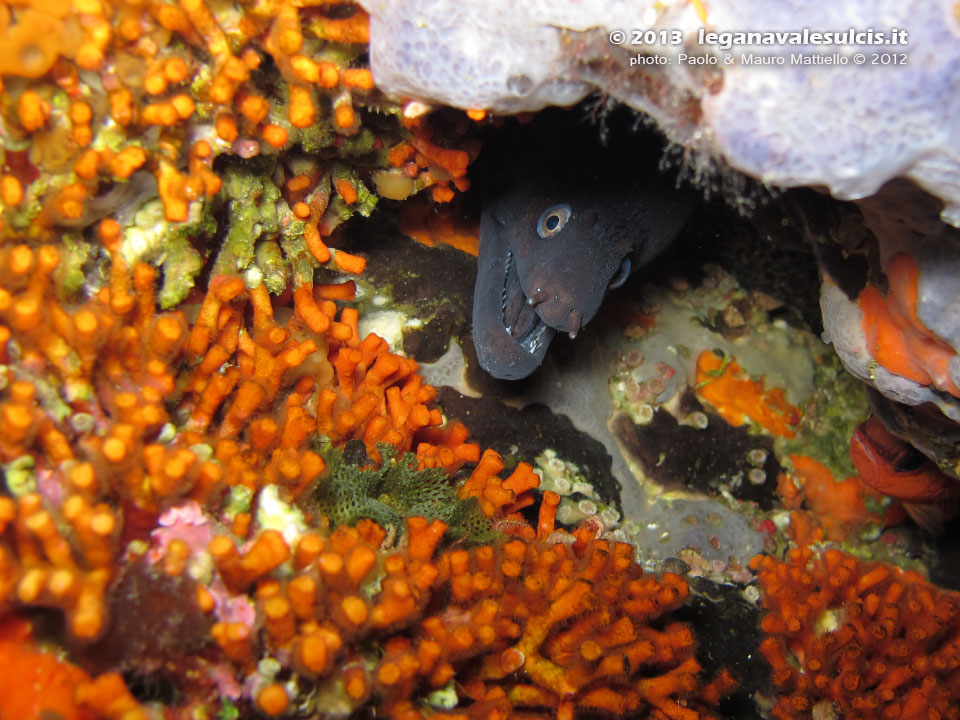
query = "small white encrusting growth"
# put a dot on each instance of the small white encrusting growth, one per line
(578, 498)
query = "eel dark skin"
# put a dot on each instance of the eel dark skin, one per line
(564, 218)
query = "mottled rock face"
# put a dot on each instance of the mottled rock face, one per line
(889, 301)
(792, 110)
(153, 622)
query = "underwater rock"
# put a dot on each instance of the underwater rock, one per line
(528, 432)
(413, 280)
(177, 444)
(925, 428)
(889, 300)
(843, 327)
(718, 455)
(729, 628)
(791, 111)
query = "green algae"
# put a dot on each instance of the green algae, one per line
(181, 265)
(252, 205)
(351, 490)
(839, 404)
(228, 711)
(360, 144)
(20, 475)
(74, 252)
(317, 138)
(276, 271)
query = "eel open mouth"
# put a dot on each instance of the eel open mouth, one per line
(509, 336)
(519, 317)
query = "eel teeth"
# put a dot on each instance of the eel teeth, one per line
(531, 343)
(522, 323)
(507, 266)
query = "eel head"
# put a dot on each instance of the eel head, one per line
(544, 267)
(564, 218)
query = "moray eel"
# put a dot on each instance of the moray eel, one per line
(564, 218)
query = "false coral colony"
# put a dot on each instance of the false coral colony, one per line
(865, 639)
(129, 425)
(176, 482)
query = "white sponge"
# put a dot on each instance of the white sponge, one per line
(849, 127)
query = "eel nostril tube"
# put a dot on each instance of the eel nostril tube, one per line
(575, 318)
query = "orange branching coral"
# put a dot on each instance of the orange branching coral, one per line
(113, 359)
(42, 568)
(573, 622)
(867, 639)
(504, 497)
(734, 395)
(195, 71)
(443, 169)
(547, 623)
(120, 368)
(447, 448)
(125, 413)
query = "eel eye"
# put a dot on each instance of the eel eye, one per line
(553, 219)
